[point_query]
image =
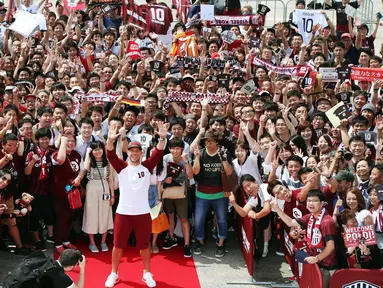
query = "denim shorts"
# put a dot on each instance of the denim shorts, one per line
(153, 196)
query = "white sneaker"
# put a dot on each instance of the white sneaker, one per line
(265, 251)
(112, 279)
(147, 277)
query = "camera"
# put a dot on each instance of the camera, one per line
(347, 155)
(106, 197)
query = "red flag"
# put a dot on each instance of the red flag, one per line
(133, 50)
(366, 74)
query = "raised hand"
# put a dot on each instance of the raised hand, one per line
(113, 134)
(232, 198)
(379, 122)
(162, 129)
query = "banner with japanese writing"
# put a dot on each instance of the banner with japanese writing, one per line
(366, 74)
(359, 235)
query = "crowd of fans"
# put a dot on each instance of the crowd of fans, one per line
(319, 178)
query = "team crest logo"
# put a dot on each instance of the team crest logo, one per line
(74, 166)
(360, 284)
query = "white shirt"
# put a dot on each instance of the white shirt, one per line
(264, 196)
(306, 19)
(31, 9)
(249, 167)
(134, 187)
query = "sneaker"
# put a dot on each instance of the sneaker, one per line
(40, 245)
(70, 246)
(155, 249)
(112, 279)
(104, 247)
(198, 249)
(279, 252)
(265, 251)
(50, 239)
(220, 252)
(93, 248)
(169, 243)
(147, 277)
(22, 251)
(59, 249)
(3, 246)
(187, 251)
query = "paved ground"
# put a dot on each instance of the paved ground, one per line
(212, 272)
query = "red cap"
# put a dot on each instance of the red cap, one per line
(345, 35)
(134, 144)
(29, 96)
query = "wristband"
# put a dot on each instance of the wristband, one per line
(162, 139)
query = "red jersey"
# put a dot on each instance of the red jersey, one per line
(160, 18)
(65, 174)
(35, 185)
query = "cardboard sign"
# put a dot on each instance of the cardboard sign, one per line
(370, 137)
(321, 132)
(345, 97)
(207, 12)
(175, 72)
(224, 80)
(255, 42)
(144, 139)
(338, 112)
(249, 87)
(329, 74)
(359, 235)
(228, 36)
(263, 10)
(344, 73)
(156, 66)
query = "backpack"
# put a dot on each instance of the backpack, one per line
(30, 271)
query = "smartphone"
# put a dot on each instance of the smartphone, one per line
(379, 15)
(276, 51)
(314, 150)
(212, 78)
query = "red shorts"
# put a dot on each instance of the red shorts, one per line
(125, 224)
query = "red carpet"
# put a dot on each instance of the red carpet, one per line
(170, 269)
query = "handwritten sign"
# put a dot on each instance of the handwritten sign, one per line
(359, 235)
(207, 12)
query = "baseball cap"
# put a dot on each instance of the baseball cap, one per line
(370, 107)
(323, 98)
(345, 175)
(29, 96)
(9, 88)
(345, 35)
(187, 77)
(134, 144)
(363, 26)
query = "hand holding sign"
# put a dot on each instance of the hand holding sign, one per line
(228, 36)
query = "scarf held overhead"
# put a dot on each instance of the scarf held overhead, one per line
(299, 70)
(175, 96)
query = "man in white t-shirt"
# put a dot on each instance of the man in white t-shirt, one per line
(28, 7)
(133, 211)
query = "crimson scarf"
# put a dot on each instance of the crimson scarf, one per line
(43, 162)
(314, 235)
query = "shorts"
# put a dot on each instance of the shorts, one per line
(179, 206)
(153, 196)
(11, 206)
(125, 224)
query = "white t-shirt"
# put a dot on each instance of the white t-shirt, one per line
(31, 9)
(306, 19)
(249, 167)
(263, 195)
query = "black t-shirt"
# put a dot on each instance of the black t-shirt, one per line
(56, 278)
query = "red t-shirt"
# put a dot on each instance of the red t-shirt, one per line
(295, 203)
(65, 174)
(16, 167)
(35, 185)
(329, 232)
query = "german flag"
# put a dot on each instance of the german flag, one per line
(132, 102)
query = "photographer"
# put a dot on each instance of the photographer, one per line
(56, 277)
